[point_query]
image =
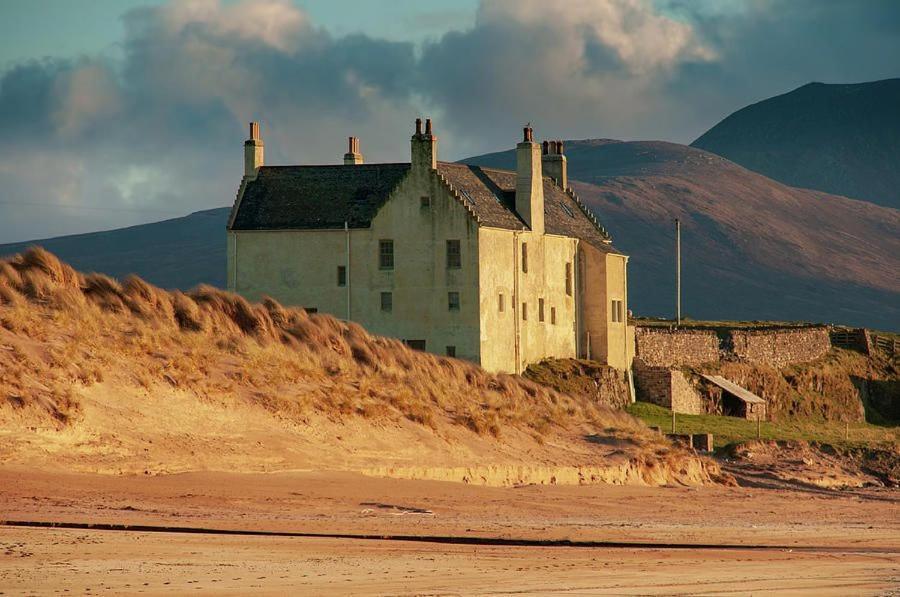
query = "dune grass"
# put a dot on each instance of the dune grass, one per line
(729, 430)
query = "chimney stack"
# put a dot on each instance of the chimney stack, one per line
(529, 182)
(253, 152)
(353, 156)
(423, 147)
(554, 163)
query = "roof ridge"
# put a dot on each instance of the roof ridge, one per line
(358, 166)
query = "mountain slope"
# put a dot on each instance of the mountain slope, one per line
(843, 139)
(177, 253)
(752, 248)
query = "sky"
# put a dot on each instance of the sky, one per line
(118, 112)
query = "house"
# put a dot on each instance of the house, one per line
(502, 268)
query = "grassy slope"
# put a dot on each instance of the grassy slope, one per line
(728, 430)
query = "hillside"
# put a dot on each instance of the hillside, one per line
(98, 376)
(752, 248)
(842, 139)
(177, 253)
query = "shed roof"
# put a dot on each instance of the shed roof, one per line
(732, 388)
(318, 197)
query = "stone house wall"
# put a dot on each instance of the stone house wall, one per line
(667, 387)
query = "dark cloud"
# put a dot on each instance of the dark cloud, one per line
(158, 125)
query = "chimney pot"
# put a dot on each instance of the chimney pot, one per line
(427, 126)
(559, 147)
(528, 134)
(545, 147)
(418, 126)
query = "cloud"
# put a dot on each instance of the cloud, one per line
(161, 124)
(158, 124)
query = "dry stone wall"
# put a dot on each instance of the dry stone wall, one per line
(660, 347)
(781, 347)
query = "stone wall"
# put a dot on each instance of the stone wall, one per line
(667, 387)
(660, 347)
(779, 347)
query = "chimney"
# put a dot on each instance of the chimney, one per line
(253, 152)
(554, 163)
(529, 182)
(423, 147)
(353, 156)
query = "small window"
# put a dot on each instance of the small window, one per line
(454, 257)
(524, 311)
(386, 254)
(541, 310)
(387, 302)
(425, 201)
(415, 344)
(451, 351)
(569, 279)
(553, 315)
(310, 309)
(501, 303)
(525, 258)
(342, 275)
(453, 301)
(617, 311)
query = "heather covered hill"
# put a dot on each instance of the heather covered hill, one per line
(842, 139)
(752, 248)
(176, 253)
(102, 376)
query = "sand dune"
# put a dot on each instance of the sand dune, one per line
(116, 378)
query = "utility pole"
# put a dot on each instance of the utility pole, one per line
(677, 272)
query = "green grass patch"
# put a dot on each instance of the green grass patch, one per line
(729, 430)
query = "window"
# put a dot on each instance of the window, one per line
(387, 302)
(453, 301)
(524, 311)
(451, 351)
(425, 201)
(415, 344)
(541, 310)
(553, 315)
(525, 258)
(310, 309)
(454, 257)
(342, 275)
(501, 303)
(617, 311)
(569, 279)
(385, 254)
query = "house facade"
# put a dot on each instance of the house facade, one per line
(498, 267)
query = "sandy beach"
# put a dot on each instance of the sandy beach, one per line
(693, 541)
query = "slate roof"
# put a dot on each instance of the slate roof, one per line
(492, 194)
(310, 197)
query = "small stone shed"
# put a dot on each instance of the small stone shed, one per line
(738, 401)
